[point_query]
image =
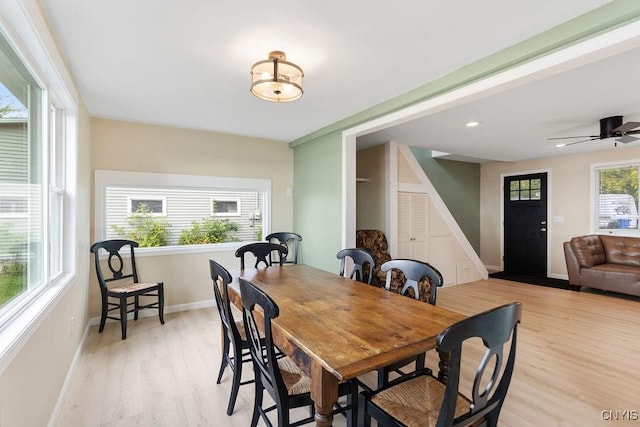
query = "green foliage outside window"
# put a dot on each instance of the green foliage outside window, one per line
(620, 180)
(13, 276)
(211, 230)
(147, 230)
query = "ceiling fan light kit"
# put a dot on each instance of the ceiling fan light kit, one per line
(610, 127)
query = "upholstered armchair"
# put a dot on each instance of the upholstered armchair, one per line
(375, 242)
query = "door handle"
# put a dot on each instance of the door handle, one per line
(543, 229)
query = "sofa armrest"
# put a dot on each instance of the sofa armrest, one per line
(573, 267)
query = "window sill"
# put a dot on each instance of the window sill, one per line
(189, 249)
(18, 329)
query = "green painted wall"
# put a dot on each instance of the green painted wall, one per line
(317, 156)
(458, 184)
(317, 200)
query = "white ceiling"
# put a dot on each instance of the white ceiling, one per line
(187, 64)
(516, 124)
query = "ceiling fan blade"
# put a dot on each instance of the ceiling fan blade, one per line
(625, 139)
(626, 127)
(577, 142)
(570, 137)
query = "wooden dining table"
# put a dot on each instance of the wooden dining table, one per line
(336, 329)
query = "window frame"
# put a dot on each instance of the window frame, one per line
(109, 178)
(24, 32)
(163, 200)
(594, 198)
(237, 213)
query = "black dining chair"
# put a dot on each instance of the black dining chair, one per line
(121, 283)
(285, 382)
(235, 348)
(422, 399)
(421, 279)
(361, 258)
(262, 251)
(288, 239)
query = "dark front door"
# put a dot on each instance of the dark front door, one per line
(525, 224)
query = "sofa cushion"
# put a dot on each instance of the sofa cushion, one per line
(588, 250)
(621, 250)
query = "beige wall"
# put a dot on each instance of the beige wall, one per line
(124, 146)
(31, 383)
(569, 197)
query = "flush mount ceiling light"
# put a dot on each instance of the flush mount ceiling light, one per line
(275, 79)
(471, 124)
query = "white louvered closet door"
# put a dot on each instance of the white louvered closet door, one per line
(412, 225)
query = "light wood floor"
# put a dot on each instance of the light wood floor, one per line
(577, 356)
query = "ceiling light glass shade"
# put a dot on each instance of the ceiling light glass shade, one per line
(276, 80)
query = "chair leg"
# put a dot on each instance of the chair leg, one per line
(352, 400)
(257, 402)
(103, 316)
(225, 356)
(123, 316)
(235, 385)
(283, 415)
(383, 377)
(364, 420)
(136, 306)
(420, 362)
(161, 302)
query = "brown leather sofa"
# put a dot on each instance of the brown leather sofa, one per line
(610, 263)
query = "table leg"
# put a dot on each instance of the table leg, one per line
(324, 392)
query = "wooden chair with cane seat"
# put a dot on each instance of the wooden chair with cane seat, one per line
(125, 276)
(361, 258)
(235, 348)
(262, 251)
(423, 400)
(291, 241)
(420, 281)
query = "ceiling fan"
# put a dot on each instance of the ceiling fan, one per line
(610, 127)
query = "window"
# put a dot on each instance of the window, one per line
(222, 207)
(616, 197)
(32, 185)
(149, 205)
(524, 189)
(176, 212)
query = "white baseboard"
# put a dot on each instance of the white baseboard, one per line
(168, 309)
(493, 267)
(53, 419)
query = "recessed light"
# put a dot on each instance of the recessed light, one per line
(560, 145)
(472, 124)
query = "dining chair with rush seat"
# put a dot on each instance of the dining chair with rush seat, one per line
(421, 399)
(285, 382)
(419, 280)
(125, 276)
(262, 251)
(291, 241)
(235, 348)
(360, 258)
